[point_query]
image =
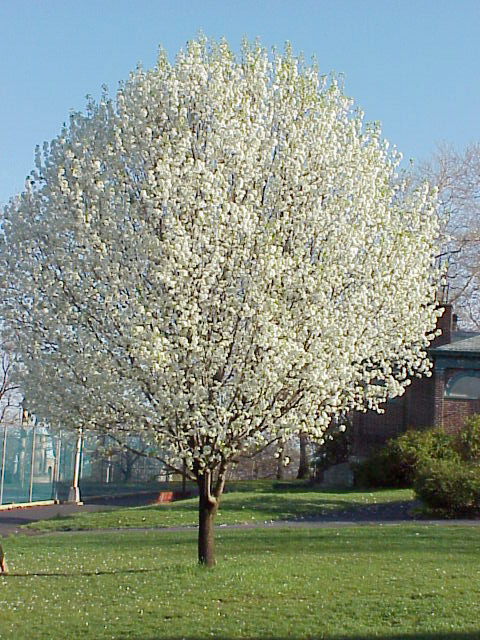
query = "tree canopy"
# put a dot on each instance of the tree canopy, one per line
(222, 256)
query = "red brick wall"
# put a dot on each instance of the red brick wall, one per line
(419, 398)
(372, 429)
(423, 405)
(412, 410)
(438, 396)
(454, 410)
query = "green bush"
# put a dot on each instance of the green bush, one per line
(467, 440)
(443, 469)
(377, 471)
(449, 487)
(395, 464)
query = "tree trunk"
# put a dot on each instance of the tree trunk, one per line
(207, 508)
(281, 470)
(304, 466)
(206, 546)
(184, 480)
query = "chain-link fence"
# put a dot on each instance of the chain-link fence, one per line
(39, 464)
(27, 463)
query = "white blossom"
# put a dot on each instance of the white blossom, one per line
(222, 256)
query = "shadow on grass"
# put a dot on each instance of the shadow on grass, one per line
(280, 507)
(346, 541)
(74, 574)
(434, 635)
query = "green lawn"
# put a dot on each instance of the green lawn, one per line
(414, 581)
(246, 504)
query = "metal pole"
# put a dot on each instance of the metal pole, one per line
(3, 462)
(30, 488)
(74, 494)
(56, 466)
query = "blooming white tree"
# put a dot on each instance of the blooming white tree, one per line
(222, 257)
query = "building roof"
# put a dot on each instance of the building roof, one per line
(460, 345)
(456, 336)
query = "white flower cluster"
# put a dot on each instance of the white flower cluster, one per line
(223, 255)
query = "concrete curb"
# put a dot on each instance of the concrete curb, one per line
(26, 505)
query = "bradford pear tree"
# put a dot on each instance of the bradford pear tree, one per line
(221, 257)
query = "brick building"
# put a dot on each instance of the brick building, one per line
(444, 399)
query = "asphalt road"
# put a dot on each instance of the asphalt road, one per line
(12, 519)
(386, 514)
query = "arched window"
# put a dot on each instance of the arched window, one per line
(464, 386)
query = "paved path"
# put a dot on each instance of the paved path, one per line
(385, 514)
(11, 520)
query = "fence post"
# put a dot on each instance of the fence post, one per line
(30, 488)
(2, 478)
(74, 493)
(56, 466)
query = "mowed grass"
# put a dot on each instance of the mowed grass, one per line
(249, 504)
(402, 581)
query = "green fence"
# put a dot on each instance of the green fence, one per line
(37, 463)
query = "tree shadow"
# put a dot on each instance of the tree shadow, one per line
(281, 507)
(433, 635)
(71, 574)
(346, 540)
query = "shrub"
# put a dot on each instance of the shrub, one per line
(376, 471)
(395, 464)
(449, 487)
(467, 440)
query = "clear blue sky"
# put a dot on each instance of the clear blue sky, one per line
(414, 65)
